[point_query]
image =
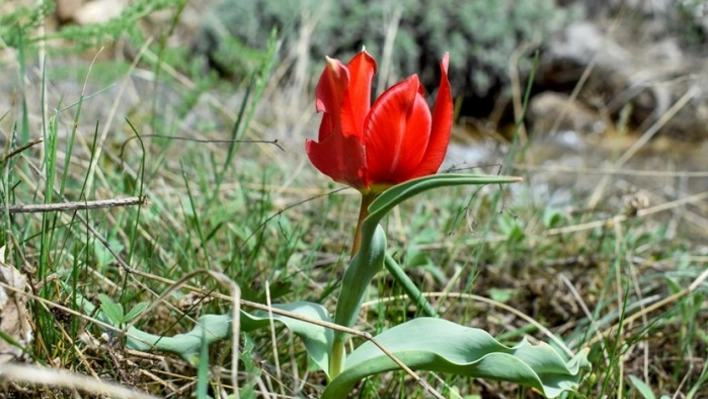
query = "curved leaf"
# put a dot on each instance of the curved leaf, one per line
(442, 346)
(401, 192)
(214, 328)
(209, 329)
(317, 339)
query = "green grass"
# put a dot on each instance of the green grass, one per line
(266, 220)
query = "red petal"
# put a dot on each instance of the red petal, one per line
(331, 90)
(441, 126)
(397, 131)
(339, 157)
(357, 101)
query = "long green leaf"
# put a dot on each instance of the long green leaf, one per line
(317, 339)
(215, 328)
(399, 193)
(373, 245)
(442, 346)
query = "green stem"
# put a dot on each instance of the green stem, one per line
(368, 261)
(415, 294)
(366, 200)
(336, 359)
(338, 352)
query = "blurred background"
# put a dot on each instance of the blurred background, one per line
(587, 84)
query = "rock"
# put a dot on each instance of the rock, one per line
(99, 11)
(550, 112)
(67, 8)
(650, 76)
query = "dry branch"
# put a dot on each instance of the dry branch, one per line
(77, 205)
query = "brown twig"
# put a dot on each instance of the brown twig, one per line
(20, 149)
(36, 375)
(77, 205)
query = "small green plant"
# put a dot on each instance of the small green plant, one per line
(116, 313)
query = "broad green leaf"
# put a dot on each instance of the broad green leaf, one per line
(552, 217)
(502, 295)
(203, 369)
(214, 328)
(136, 310)
(442, 346)
(112, 310)
(401, 192)
(317, 339)
(209, 329)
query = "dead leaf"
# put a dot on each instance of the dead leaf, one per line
(14, 321)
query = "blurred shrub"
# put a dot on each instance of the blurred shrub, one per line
(481, 35)
(15, 20)
(690, 20)
(687, 20)
(20, 22)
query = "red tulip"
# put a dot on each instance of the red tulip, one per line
(372, 147)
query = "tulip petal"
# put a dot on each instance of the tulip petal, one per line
(357, 101)
(339, 157)
(441, 126)
(331, 90)
(396, 133)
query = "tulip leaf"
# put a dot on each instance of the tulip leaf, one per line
(379, 207)
(442, 346)
(317, 339)
(213, 328)
(401, 192)
(209, 329)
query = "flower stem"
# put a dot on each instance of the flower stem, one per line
(368, 252)
(336, 360)
(366, 200)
